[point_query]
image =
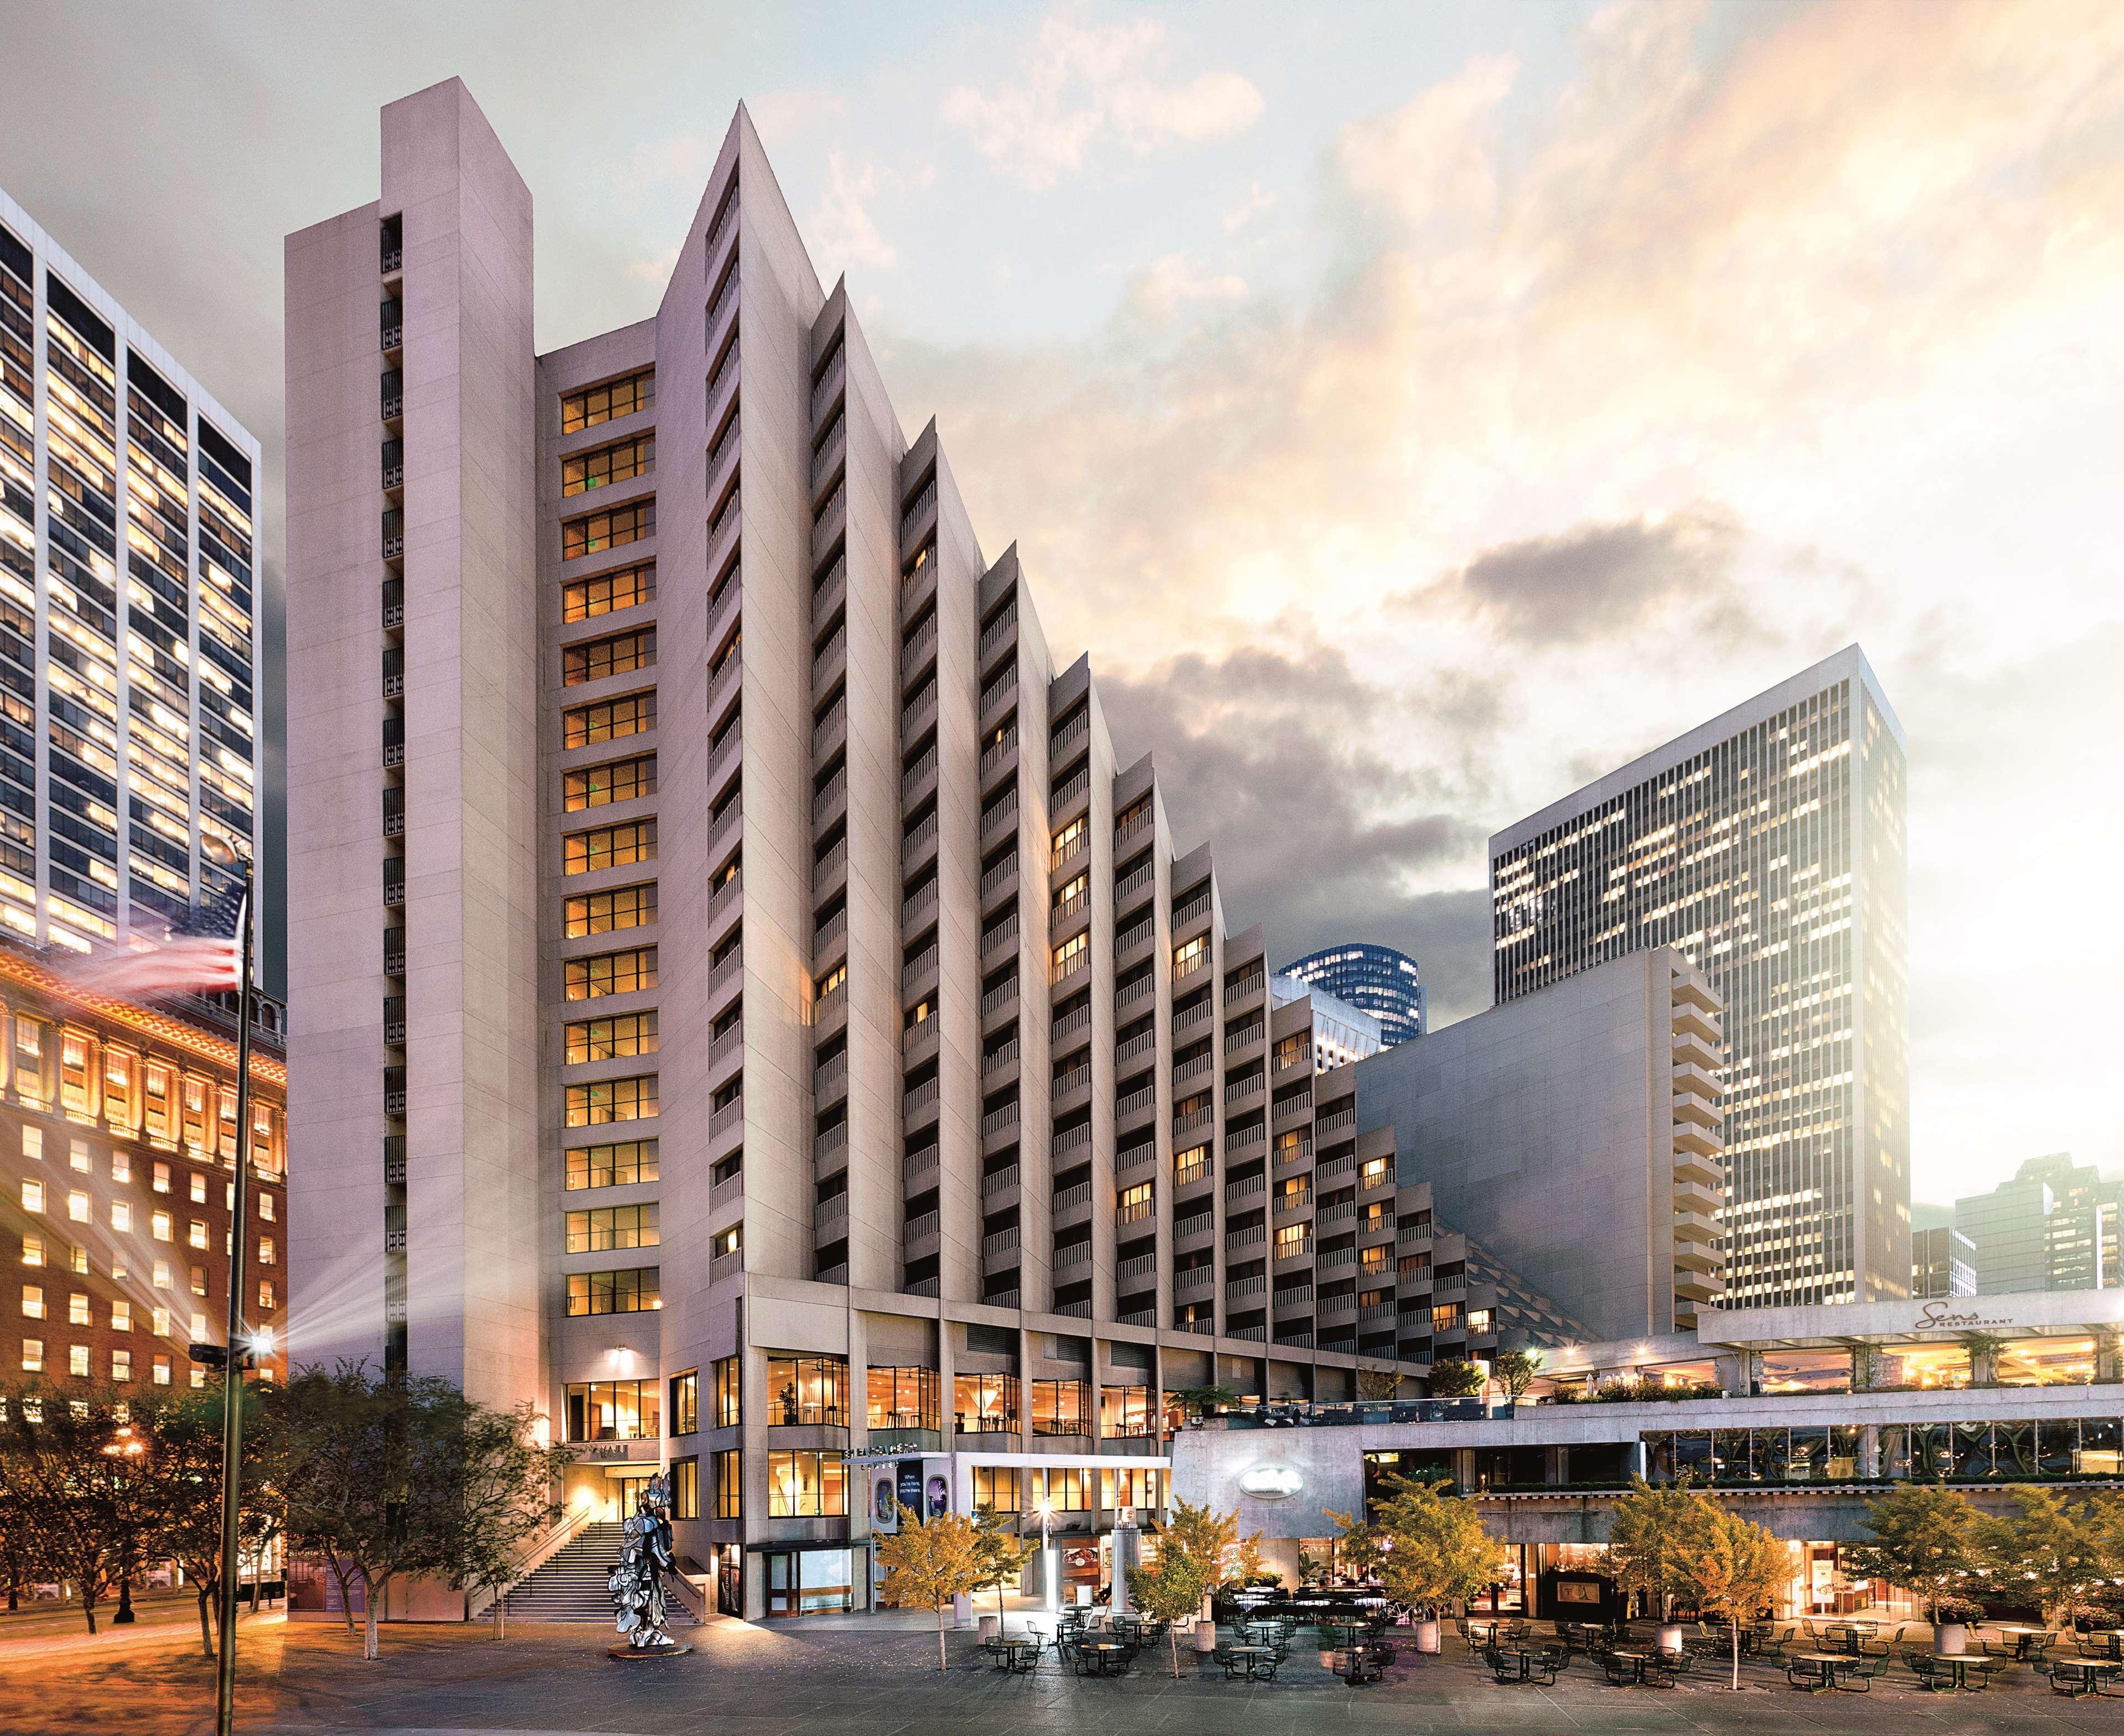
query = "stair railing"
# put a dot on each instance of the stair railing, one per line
(535, 1554)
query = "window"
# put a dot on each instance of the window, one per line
(122, 1166)
(612, 1039)
(609, 720)
(33, 1196)
(608, 1227)
(615, 780)
(602, 466)
(1066, 1489)
(610, 846)
(77, 1207)
(1133, 1204)
(267, 1252)
(806, 1485)
(631, 1291)
(613, 1166)
(614, 529)
(1124, 1412)
(78, 1158)
(811, 1390)
(904, 1398)
(1074, 951)
(985, 1404)
(162, 1274)
(161, 1183)
(33, 1356)
(265, 1207)
(686, 1489)
(686, 1403)
(1195, 952)
(268, 1298)
(121, 1314)
(1377, 1173)
(162, 1323)
(1132, 1487)
(730, 1483)
(608, 402)
(198, 1232)
(617, 654)
(161, 1371)
(612, 1410)
(199, 1189)
(1290, 1239)
(724, 1242)
(628, 588)
(996, 1490)
(77, 1314)
(1070, 838)
(77, 1360)
(611, 973)
(601, 913)
(612, 1099)
(1447, 1317)
(159, 1227)
(1061, 1408)
(32, 1301)
(199, 1281)
(729, 1392)
(121, 1365)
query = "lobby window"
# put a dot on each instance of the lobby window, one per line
(729, 1392)
(1132, 1487)
(1064, 1488)
(985, 1404)
(601, 913)
(996, 1489)
(1807, 1370)
(608, 847)
(628, 588)
(2059, 1362)
(633, 1098)
(621, 462)
(611, 973)
(611, 720)
(904, 1398)
(634, 1290)
(807, 1392)
(608, 1227)
(807, 1484)
(730, 1483)
(686, 1403)
(615, 780)
(612, 1410)
(619, 1165)
(613, 528)
(608, 402)
(1124, 1412)
(686, 1489)
(1061, 1408)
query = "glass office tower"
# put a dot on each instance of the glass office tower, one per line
(1768, 846)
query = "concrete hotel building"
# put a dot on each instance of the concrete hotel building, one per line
(1767, 847)
(128, 633)
(854, 1062)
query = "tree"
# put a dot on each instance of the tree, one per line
(1001, 1552)
(1431, 1550)
(383, 1479)
(1199, 1401)
(1378, 1383)
(1646, 1541)
(1169, 1590)
(1925, 1538)
(1733, 1566)
(82, 1502)
(928, 1564)
(2057, 1553)
(1358, 1548)
(1515, 1371)
(1456, 1379)
(505, 1498)
(186, 1427)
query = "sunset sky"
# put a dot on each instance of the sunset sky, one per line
(1416, 410)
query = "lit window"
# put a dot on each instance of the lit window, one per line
(159, 1227)
(77, 1314)
(802, 1484)
(267, 1299)
(199, 1190)
(77, 1207)
(161, 1177)
(198, 1232)
(121, 1215)
(33, 1196)
(121, 1365)
(162, 1323)
(77, 1360)
(199, 1326)
(265, 1207)
(161, 1371)
(32, 1301)
(264, 1250)
(727, 1241)
(122, 1166)
(33, 1356)
(78, 1157)
(121, 1314)
(162, 1274)
(33, 1250)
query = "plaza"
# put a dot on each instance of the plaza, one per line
(877, 1671)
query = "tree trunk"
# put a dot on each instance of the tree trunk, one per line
(368, 1601)
(206, 1622)
(88, 1607)
(1173, 1641)
(1736, 1651)
(940, 1663)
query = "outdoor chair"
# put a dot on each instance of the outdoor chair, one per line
(1234, 1667)
(2004, 1645)
(1859, 1679)
(1618, 1672)
(1771, 1643)
(1505, 1668)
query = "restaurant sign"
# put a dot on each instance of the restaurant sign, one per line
(1270, 1482)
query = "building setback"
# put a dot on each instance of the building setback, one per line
(1767, 846)
(742, 1003)
(1574, 1134)
(128, 631)
(1373, 979)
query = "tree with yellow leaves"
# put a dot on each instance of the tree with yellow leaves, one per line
(1734, 1566)
(928, 1565)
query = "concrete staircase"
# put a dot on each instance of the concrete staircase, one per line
(573, 1586)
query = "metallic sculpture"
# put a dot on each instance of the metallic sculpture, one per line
(646, 1556)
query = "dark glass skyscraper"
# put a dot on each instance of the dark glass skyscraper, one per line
(1767, 846)
(1375, 979)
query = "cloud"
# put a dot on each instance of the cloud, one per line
(1173, 279)
(841, 228)
(1605, 581)
(1078, 82)
(1435, 155)
(1257, 200)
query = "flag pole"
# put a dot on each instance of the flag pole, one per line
(231, 1378)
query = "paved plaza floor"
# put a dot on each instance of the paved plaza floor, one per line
(878, 1676)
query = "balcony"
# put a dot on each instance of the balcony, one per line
(392, 394)
(1135, 1266)
(394, 604)
(1003, 935)
(1134, 1211)
(1247, 1236)
(1002, 994)
(1194, 1280)
(1002, 874)
(997, 632)
(997, 1059)
(1003, 1181)
(914, 1103)
(391, 324)
(1247, 988)
(394, 1020)
(1069, 1023)
(1002, 1119)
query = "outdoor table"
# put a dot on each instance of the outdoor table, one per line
(1847, 1638)
(2091, 1673)
(2112, 1639)
(2022, 1638)
(1825, 1666)
(1104, 1652)
(1950, 1670)
(1526, 1659)
(1015, 1654)
(1251, 1656)
(1344, 1632)
(1636, 1661)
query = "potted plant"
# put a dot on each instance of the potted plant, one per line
(1645, 1545)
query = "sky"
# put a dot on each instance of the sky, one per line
(1416, 410)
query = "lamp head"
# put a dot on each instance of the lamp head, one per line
(219, 851)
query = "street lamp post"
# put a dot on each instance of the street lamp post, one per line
(125, 1446)
(232, 1374)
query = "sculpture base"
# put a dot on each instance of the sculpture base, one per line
(625, 1654)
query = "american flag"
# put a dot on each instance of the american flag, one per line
(203, 954)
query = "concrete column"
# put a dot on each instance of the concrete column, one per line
(2108, 1356)
(1637, 1465)
(1869, 1451)
(1552, 1467)
(1463, 1467)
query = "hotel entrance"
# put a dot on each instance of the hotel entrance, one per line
(622, 1487)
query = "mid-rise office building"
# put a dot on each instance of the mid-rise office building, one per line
(742, 1001)
(1574, 1133)
(117, 1183)
(1942, 1263)
(2053, 1226)
(1375, 979)
(1767, 846)
(128, 630)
